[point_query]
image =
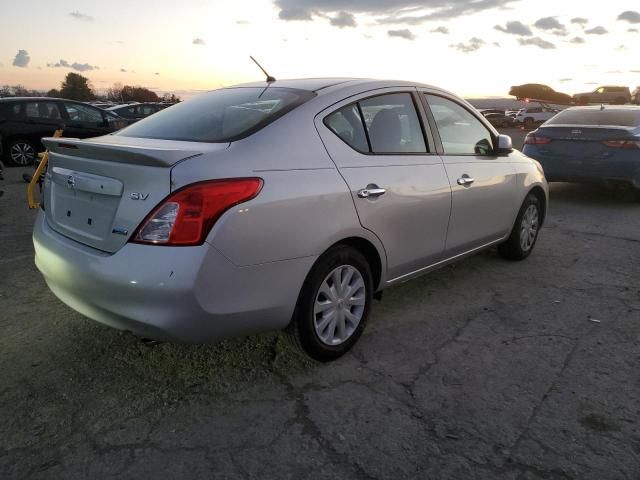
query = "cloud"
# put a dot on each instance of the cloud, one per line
(577, 40)
(634, 71)
(21, 59)
(408, 12)
(123, 70)
(536, 42)
(82, 16)
(443, 30)
(566, 79)
(580, 21)
(552, 25)
(80, 67)
(198, 41)
(472, 45)
(515, 28)
(157, 73)
(599, 30)
(343, 19)
(629, 16)
(242, 22)
(404, 33)
(632, 30)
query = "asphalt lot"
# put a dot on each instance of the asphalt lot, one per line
(485, 369)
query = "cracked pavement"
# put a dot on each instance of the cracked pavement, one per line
(486, 369)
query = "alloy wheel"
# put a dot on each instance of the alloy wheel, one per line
(339, 305)
(22, 153)
(529, 228)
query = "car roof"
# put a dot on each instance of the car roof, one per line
(36, 99)
(605, 107)
(322, 85)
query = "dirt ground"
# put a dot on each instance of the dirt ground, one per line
(485, 369)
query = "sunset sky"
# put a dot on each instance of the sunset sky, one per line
(472, 47)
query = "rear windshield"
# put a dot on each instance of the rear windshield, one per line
(611, 117)
(219, 116)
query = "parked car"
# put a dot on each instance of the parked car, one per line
(583, 144)
(499, 120)
(536, 91)
(607, 95)
(24, 121)
(487, 111)
(635, 96)
(286, 204)
(134, 112)
(531, 116)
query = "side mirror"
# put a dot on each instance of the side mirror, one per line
(505, 145)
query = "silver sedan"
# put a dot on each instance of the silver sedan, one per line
(279, 205)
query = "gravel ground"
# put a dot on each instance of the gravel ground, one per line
(485, 369)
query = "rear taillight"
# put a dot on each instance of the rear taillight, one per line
(186, 216)
(627, 144)
(532, 139)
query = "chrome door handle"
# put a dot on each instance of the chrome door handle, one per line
(371, 191)
(465, 181)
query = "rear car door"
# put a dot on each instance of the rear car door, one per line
(41, 118)
(483, 184)
(84, 121)
(397, 181)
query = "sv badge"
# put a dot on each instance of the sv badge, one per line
(139, 196)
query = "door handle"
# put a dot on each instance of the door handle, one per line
(372, 190)
(465, 181)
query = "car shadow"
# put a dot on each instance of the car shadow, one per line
(593, 194)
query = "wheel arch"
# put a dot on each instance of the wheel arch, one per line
(370, 252)
(539, 193)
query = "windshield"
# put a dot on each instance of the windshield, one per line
(611, 117)
(219, 116)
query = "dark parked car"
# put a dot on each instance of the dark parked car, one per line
(544, 93)
(136, 111)
(498, 120)
(24, 121)
(582, 144)
(610, 95)
(635, 96)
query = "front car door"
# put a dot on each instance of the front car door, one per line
(397, 180)
(84, 121)
(483, 184)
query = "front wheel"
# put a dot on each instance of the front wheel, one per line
(22, 152)
(524, 235)
(333, 305)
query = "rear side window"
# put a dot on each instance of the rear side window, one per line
(384, 124)
(612, 117)
(83, 113)
(9, 110)
(393, 125)
(220, 116)
(42, 110)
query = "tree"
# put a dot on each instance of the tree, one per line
(171, 98)
(54, 93)
(76, 87)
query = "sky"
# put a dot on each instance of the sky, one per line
(475, 48)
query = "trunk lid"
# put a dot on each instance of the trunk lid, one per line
(98, 191)
(581, 141)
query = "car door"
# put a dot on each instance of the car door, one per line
(84, 121)
(41, 118)
(397, 181)
(483, 184)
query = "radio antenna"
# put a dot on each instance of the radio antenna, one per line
(269, 77)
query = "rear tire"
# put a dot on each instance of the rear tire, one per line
(331, 315)
(525, 231)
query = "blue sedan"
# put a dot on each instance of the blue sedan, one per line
(585, 144)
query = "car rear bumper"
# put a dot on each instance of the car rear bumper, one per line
(186, 294)
(561, 168)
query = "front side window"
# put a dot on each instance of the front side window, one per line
(460, 131)
(392, 124)
(83, 113)
(222, 115)
(42, 110)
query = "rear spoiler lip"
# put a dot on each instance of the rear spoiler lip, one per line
(570, 125)
(128, 152)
